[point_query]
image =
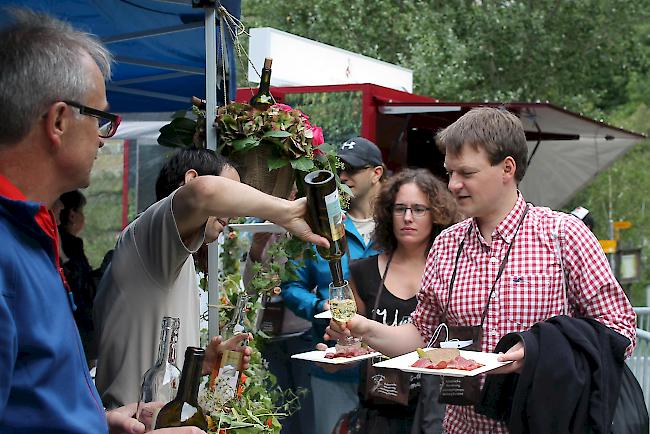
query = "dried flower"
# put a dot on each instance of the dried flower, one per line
(288, 131)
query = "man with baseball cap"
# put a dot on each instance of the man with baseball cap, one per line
(363, 173)
(359, 152)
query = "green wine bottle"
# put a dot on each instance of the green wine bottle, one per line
(184, 410)
(326, 218)
(263, 98)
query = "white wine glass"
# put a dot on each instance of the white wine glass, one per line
(343, 308)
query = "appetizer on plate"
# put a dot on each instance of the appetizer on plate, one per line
(444, 358)
(354, 350)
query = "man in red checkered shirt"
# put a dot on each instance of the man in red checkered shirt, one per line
(486, 157)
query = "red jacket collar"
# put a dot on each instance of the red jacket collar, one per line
(10, 191)
(43, 217)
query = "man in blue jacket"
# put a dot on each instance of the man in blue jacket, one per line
(335, 393)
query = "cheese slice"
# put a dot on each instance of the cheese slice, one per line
(437, 355)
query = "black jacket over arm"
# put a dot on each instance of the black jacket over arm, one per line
(569, 383)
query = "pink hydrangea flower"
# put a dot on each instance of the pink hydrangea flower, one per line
(318, 138)
(283, 107)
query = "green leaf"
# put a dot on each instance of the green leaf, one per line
(171, 141)
(179, 114)
(277, 162)
(178, 133)
(183, 125)
(303, 163)
(277, 133)
(236, 424)
(346, 189)
(245, 143)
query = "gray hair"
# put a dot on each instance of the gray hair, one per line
(41, 64)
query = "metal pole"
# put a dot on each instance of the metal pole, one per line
(137, 177)
(610, 221)
(211, 142)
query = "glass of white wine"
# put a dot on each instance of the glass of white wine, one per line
(343, 308)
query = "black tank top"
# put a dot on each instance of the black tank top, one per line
(391, 310)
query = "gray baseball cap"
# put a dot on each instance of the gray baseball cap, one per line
(359, 152)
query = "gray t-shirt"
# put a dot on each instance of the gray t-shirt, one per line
(151, 275)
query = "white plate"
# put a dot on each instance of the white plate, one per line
(326, 314)
(319, 356)
(404, 362)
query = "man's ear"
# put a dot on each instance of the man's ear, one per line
(378, 171)
(509, 167)
(55, 122)
(190, 174)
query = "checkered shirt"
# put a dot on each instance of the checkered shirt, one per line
(530, 289)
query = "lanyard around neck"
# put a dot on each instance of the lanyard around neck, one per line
(502, 267)
(381, 286)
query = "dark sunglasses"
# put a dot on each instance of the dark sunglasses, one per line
(107, 123)
(353, 170)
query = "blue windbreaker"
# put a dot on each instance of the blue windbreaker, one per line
(45, 386)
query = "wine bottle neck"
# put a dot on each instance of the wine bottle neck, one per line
(188, 387)
(171, 356)
(163, 345)
(336, 270)
(265, 81)
(235, 325)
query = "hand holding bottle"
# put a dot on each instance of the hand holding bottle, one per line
(122, 421)
(218, 346)
(293, 220)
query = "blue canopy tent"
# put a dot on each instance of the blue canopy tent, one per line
(159, 48)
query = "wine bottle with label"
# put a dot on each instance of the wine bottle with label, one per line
(160, 383)
(263, 98)
(225, 380)
(326, 218)
(184, 410)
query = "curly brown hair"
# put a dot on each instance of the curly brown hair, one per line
(443, 206)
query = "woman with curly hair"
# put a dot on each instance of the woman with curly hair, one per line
(412, 208)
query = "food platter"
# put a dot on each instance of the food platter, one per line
(404, 362)
(319, 356)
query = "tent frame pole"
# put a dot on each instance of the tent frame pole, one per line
(211, 142)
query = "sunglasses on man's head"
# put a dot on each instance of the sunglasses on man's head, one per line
(107, 123)
(351, 170)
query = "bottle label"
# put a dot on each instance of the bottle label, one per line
(187, 412)
(335, 215)
(226, 382)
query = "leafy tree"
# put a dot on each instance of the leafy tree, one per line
(581, 54)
